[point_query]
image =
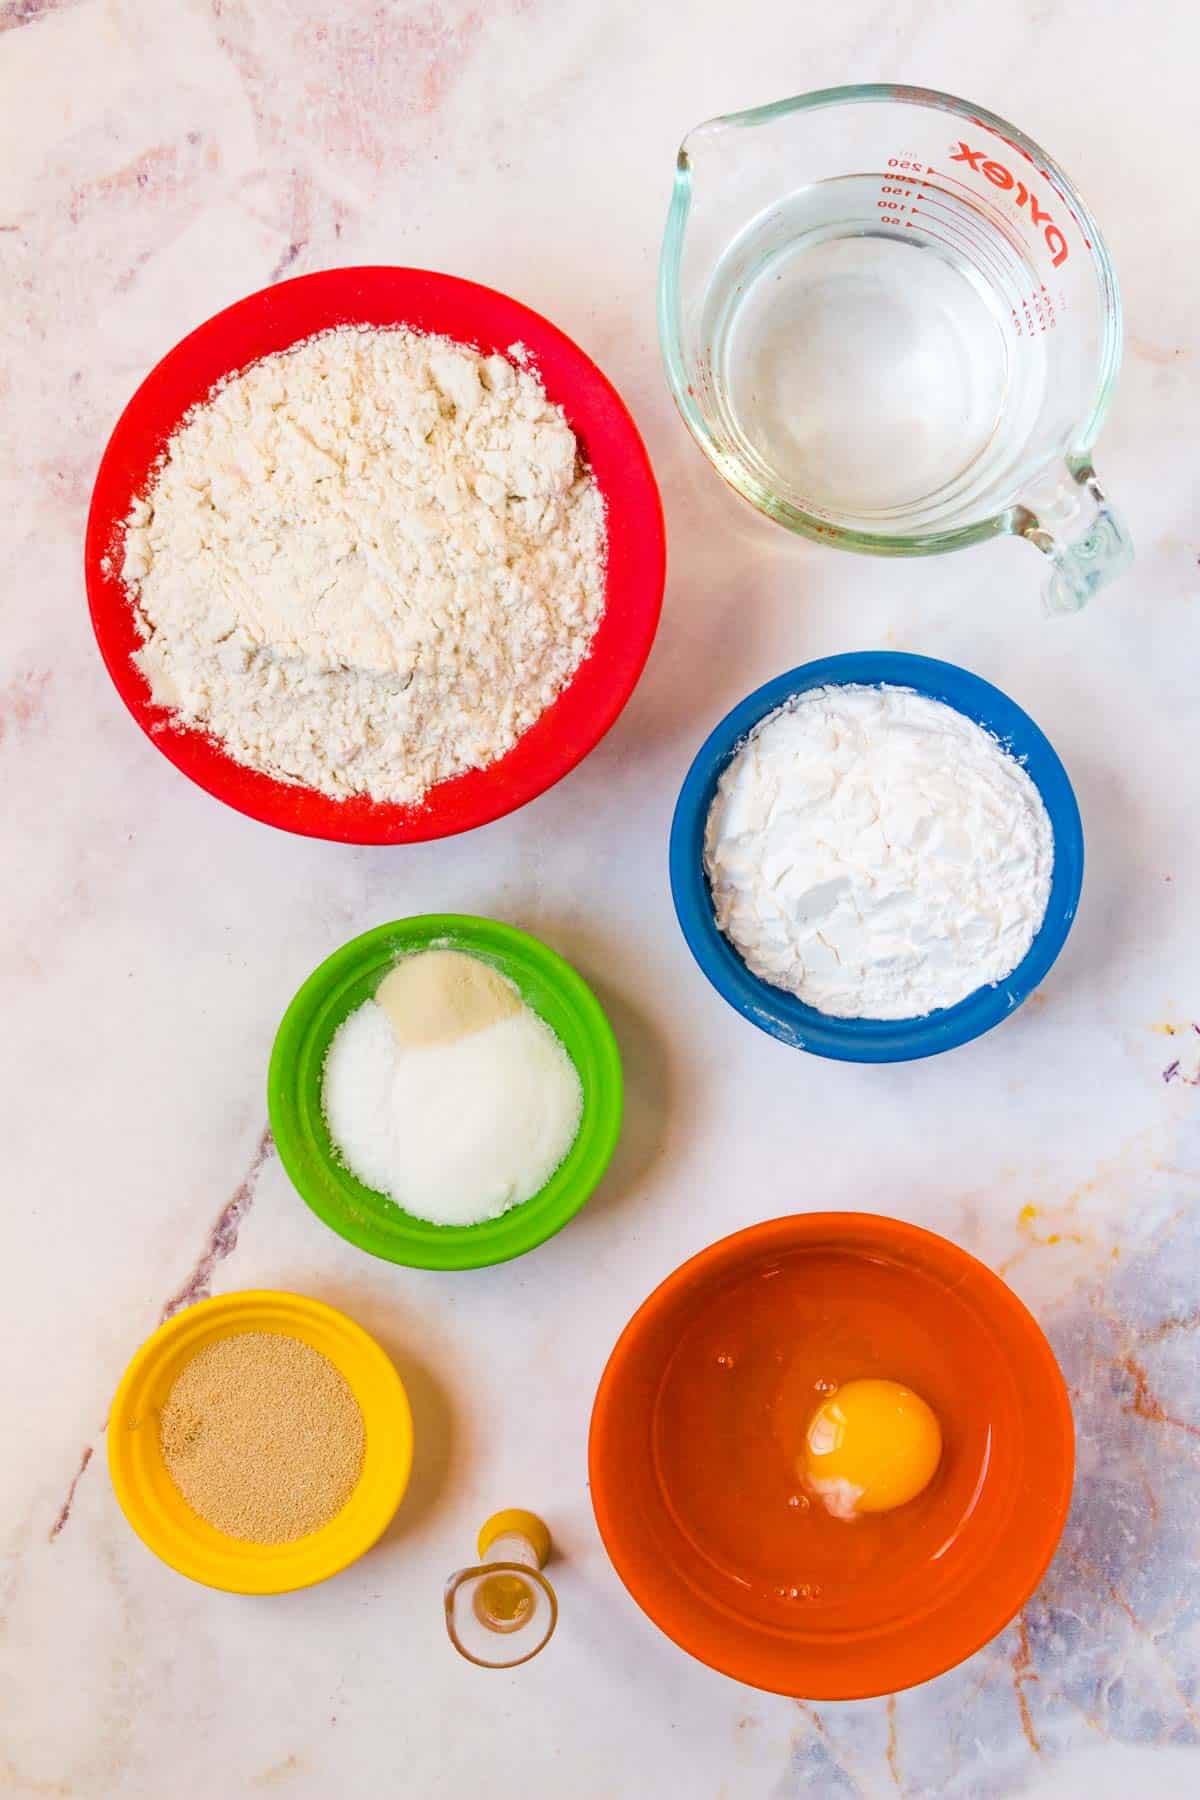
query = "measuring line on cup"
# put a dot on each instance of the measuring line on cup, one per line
(992, 215)
(1036, 217)
(983, 202)
(922, 200)
(912, 197)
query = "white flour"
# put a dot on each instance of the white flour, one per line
(877, 854)
(368, 563)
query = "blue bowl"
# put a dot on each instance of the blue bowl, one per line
(874, 1040)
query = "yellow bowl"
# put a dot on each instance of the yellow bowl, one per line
(158, 1512)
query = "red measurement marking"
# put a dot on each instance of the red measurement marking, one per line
(1019, 148)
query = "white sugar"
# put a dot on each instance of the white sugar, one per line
(454, 1132)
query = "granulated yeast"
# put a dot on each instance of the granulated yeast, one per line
(263, 1437)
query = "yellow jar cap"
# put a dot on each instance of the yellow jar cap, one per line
(515, 1518)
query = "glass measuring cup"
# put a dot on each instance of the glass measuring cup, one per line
(891, 323)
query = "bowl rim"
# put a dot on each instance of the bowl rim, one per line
(276, 318)
(205, 1555)
(815, 1663)
(781, 1014)
(315, 1173)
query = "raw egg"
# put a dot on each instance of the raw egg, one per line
(870, 1447)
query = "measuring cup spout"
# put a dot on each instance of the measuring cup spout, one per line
(1069, 519)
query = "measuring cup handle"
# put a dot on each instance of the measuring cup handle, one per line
(1072, 523)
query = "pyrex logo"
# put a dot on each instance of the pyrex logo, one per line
(1001, 177)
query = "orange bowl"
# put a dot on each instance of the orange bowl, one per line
(700, 1416)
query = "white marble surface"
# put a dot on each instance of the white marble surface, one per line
(159, 158)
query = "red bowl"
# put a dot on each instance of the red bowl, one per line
(280, 316)
(958, 1563)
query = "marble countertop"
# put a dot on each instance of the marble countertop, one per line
(159, 158)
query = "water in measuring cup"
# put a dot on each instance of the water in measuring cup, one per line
(869, 369)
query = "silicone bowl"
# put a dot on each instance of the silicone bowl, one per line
(874, 1040)
(369, 1219)
(273, 320)
(163, 1519)
(901, 1626)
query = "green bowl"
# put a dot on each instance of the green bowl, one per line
(369, 1219)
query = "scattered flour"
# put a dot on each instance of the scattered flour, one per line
(368, 563)
(877, 854)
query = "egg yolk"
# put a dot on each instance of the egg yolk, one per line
(871, 1446)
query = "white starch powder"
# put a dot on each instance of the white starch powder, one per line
(453, 1129)
(368, 563)
(877, 854)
